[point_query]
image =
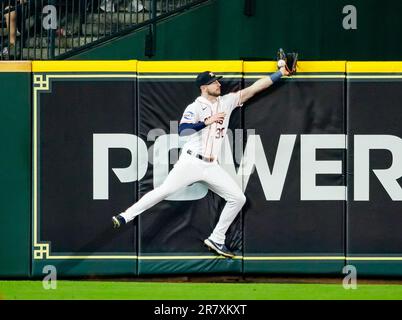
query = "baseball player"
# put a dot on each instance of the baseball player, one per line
(205, 121)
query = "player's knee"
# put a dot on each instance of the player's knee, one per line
(240, 200)
(164, 191)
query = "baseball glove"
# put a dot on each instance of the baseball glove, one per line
(288, 60)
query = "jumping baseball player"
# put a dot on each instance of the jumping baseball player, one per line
(205, 121)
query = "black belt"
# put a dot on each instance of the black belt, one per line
(199, 156)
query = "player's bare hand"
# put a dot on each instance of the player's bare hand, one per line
(217, 117)
(284, 71)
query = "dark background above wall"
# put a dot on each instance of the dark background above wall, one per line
(220, 30)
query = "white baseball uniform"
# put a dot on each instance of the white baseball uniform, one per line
(190, 169)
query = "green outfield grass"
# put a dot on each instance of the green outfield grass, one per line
(84, 290)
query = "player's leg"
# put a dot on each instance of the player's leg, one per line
(220, 182)
(183, 174)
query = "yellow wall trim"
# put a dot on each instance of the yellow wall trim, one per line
(190, 66)
(85, 66)
(375, 67)
(15, 66)
(302, 66)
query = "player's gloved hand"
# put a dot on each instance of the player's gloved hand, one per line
(217, 117)
(287, 60)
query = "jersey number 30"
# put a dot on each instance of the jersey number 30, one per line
(219, 133)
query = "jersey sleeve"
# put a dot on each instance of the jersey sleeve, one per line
(190, 115)
(232, 100)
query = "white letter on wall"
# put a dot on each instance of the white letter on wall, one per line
(310, 167)
(135, 171)
(388, 177)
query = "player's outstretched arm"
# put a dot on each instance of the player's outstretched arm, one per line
(262, 84)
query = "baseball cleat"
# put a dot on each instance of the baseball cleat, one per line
(218, 248)
(118, 221)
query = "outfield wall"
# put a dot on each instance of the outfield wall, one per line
(15, 172)
(104, 133)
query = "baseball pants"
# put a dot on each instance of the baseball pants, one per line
(189, 170)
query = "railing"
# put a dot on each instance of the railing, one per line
(56, 29)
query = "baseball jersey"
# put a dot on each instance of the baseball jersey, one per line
(208, 141)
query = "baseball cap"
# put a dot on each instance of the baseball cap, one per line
(205, 78)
